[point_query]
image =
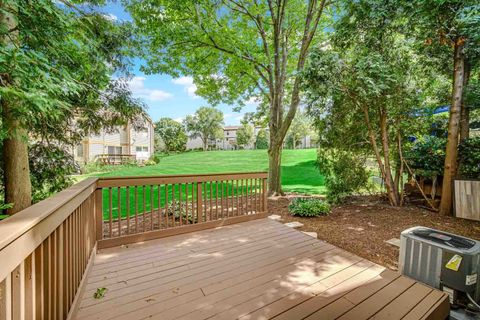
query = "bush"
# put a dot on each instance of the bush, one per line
(149, 162)
(309, 207)
(51, 167)
(427, 156)
(345, 173)
(469, 158)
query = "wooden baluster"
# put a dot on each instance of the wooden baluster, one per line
(128, 208)
(17, 291)
(199, 203)
(174, 205)
(39, 282)
(136, 208)
(255, 195)
(211, 208)
(159, 210)
(216, 199)
(144, 203)
(151, 207)
(119, 212)
(251, 196)
(205, 201)
(186, 204)
(180, 203)
(110, 217)
(236, 198)
(166, 206)
(193, 204)
(29, 286)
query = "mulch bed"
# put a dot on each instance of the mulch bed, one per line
(363, 224)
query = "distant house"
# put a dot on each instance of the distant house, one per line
(227, 142)
(125, 143)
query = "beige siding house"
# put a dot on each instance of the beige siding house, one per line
(124, 142)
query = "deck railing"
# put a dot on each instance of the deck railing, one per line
(134, 209)
(46, 249)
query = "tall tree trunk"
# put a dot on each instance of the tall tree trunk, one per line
(274, 168)
(18, 190)
(389, 182)
(465, 111)
(450, 167)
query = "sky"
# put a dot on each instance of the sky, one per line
(164, 95)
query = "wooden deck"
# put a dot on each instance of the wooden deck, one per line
(253, 270)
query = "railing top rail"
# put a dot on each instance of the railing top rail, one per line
(179, 178)
(14, 227)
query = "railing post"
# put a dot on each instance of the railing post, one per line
(199, 201)
(264, 190)
(98, 214)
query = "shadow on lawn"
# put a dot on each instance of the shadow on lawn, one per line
(303, 177)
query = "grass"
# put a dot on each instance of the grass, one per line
(299, 173)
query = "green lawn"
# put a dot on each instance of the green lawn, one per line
(299, 173)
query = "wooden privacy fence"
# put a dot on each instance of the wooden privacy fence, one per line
(467, 199)
(46, 249)
(134, 209)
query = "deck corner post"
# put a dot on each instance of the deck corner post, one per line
(98, 214)
(265, 192)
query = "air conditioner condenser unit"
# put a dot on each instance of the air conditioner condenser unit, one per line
(444, 261)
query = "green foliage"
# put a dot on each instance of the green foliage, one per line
(149, 162)
(50, 169)
(245, 135)
(100, 293)
(469, 158)
(426, 156)
(172, 134)
(345, 173)
(261, 142)
(206, 123)
(308, 207)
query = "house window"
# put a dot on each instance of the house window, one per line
(228, 133)
(80, 150)
(114, 150)
(141, 149)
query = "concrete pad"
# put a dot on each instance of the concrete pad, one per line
(311, 234)
(394, 242)
(294, 224)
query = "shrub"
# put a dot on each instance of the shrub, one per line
(309, 207)
(469, 158)
(51, 167)
(345, 173)
(427, 156)
(149, 162)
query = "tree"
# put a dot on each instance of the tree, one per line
(363, 88)
(206, 123)
(245, 135)
(235, 50)
(451, 27)
(300, 128)
(56, 85)
(172, 134)
(261, 141)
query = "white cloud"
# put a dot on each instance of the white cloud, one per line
(187, 82)
(137, 86)
(110, 16)
(179, 120)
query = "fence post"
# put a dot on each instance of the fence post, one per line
(98, 214)
(199, 201)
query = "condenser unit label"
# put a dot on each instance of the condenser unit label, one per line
(454, 263)
(471, 279)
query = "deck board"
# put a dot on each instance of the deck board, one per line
(254, 270)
